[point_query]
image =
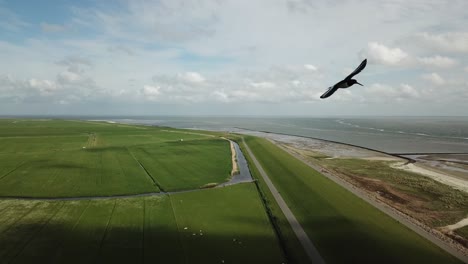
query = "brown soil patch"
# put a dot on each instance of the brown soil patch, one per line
(235, 166)
(409, 204)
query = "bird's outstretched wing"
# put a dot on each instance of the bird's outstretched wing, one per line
(330, 91)
(357, 70)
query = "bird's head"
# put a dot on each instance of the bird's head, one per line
(353, 81)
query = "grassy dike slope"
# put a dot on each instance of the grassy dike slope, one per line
(343, 227)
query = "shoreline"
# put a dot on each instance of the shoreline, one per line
(412, 165)
(434, 235)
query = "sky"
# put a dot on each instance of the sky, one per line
(233, 57)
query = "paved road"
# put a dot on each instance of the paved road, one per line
(309, 247)
(383, 207)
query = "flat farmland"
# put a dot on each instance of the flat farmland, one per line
(186, 165)
(187, 227)
(232, 223)
(53, 158)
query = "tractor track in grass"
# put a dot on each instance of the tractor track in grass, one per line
(11, 171)
(37, 232)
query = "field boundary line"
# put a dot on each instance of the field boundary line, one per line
(81, 215)
(104, 236)
(61, 245)
(21, 217)
(309, 247)
(179, 236)
(147, 172)
(398, 216)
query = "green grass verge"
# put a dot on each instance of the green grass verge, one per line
(342, 226)
(291, 245)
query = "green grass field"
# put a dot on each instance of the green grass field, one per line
(235, 224)
(340, 224)
(231, 223)
(72, 158)
(186, 165)
(158, 229)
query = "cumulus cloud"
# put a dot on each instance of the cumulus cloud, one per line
(75, 64)
(450, 42)
(68, 77)
(151, 92)
(275, 85)
(44, 86)
(221, 96)
(437, 61)
(30, 89)
(383, 92)
(310, 67)
(381, 54)
(232, 60)
(409, 90)
(263, 85)
(75, 75)
(434, 78)
(193, 77)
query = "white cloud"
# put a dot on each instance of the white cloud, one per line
(409, 90)
(52, 28)
(74, 63)
(203, 52)
(434, 78)
(263, 85)
(310, 67)
(32, 89)
(151, 92)
(381, 54)
(437, 61)
(193, 77)
(285, 84)
(44, 86)
(450, 42)
(68, 77)
(466, 69)
(221, 96)
(387, 93)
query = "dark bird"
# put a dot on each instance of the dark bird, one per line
(346, 82)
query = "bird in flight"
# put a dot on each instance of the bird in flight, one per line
(346, 82)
